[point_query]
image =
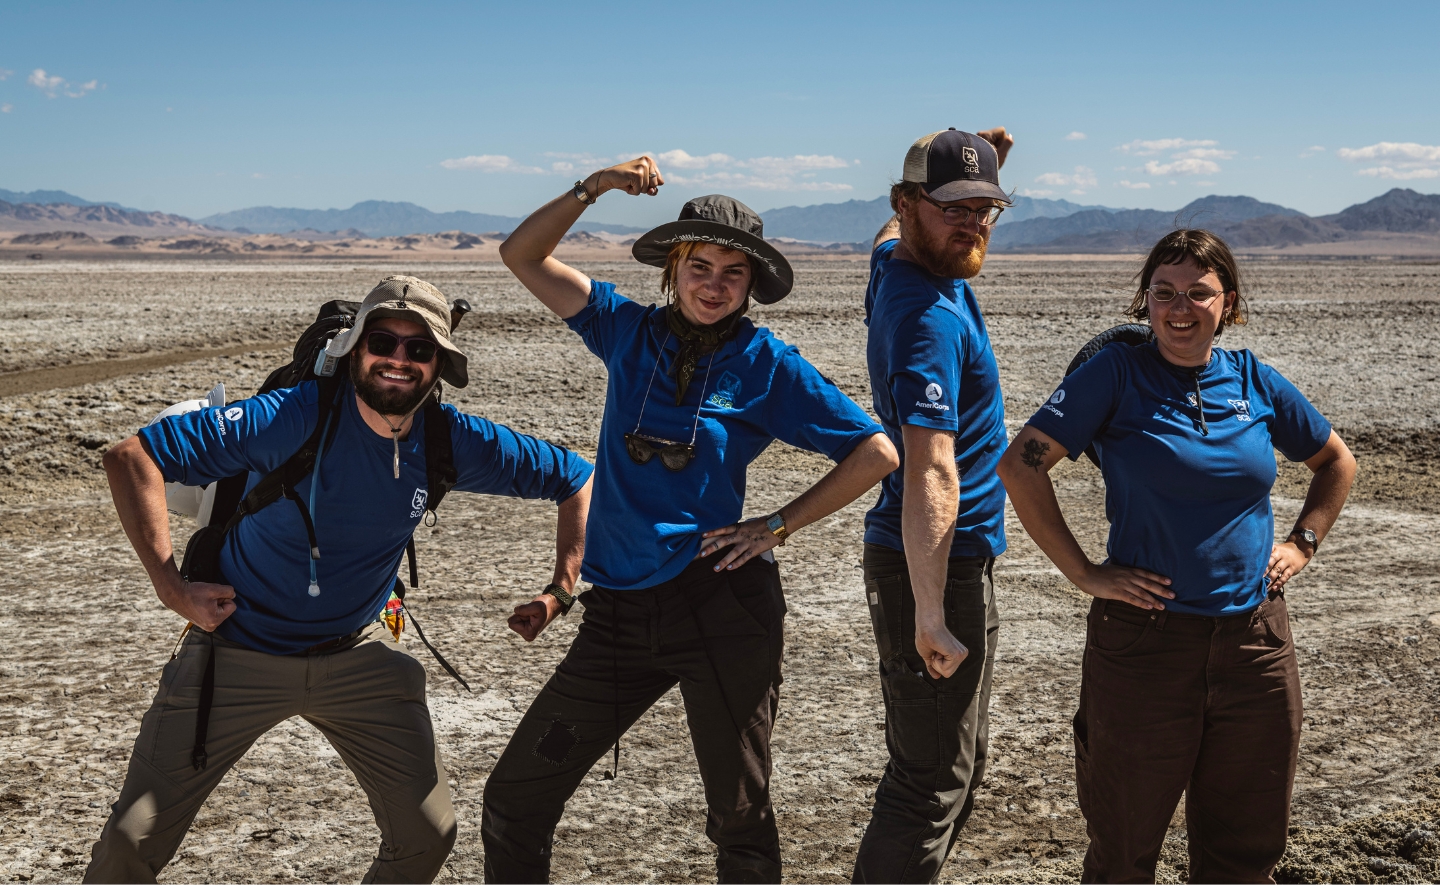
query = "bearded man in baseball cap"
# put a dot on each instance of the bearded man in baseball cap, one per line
(929, 546)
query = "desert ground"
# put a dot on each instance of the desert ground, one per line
(90, 350)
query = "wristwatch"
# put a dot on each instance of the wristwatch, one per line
(1308, 537)
(561, 595)
(582, 194)
(775, 522)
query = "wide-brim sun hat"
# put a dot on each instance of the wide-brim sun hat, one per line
(722, 221)
(408, 298)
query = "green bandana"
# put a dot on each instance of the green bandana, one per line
(695, 339)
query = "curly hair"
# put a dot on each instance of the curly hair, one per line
(1208, 251)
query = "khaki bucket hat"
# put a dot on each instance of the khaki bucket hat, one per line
(408, 298)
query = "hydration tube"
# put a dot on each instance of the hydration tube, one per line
(314, 589)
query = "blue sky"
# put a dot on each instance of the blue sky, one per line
(198, 108)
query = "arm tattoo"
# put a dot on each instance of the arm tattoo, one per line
(1034, 454)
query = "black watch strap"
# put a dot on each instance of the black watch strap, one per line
(561, 595)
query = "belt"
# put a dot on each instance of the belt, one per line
(331, 644)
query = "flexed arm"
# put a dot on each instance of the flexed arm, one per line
(528, 252)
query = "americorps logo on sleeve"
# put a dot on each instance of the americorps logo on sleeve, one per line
(234, 413)
(933, 392)
(1056, 399)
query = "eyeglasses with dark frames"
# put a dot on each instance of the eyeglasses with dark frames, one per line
(641, 447)
(955, 216)
(1201, 295)
(417, 348)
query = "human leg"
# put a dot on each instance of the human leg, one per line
(605, 680)
(163, 790)
(1237, 806)
(369, 702)
(1137, 733)
(937, 731)
(728, 655)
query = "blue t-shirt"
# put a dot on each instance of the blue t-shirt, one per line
(931, 365)
(363, 516)
(1193, 508)
(645, 520)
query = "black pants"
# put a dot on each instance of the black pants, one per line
(1177, 703)
(721, 638)
(937, 730)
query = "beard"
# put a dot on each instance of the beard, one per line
(934, 252)
(384, 399)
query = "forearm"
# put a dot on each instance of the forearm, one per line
(138, 490)
(927, 527)
(570, 537)
(1033, 496)
(889, 231)
(867, 464)
(1329, 488)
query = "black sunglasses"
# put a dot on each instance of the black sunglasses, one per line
(417, 349)
(674, 455)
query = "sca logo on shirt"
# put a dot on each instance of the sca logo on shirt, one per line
(417, 503)
(933, 392)
(727, 393)
(1242, 408)
(234, 413)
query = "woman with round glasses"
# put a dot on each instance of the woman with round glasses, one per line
(684, 591)
(1189, 683)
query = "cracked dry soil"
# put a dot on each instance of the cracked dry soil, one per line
(88, 638)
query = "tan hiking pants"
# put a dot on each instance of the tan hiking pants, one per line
(367, 698)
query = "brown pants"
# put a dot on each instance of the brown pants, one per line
(367, 698)
(1173, 703)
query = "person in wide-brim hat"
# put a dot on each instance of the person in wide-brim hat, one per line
(683, 590)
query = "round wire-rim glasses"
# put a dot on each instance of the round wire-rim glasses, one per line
(1201, 295)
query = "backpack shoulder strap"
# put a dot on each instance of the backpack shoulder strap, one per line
(440, 473)
(282, 480)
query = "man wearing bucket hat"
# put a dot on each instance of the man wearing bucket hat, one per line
(932, 538)
(288, 634)
(684, 592)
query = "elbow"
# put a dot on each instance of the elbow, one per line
(1006, 471)
(884, 457)
(506, 253)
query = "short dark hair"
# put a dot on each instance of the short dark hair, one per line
(1208, 251)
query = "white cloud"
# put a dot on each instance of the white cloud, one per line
(1136, 186)
(492, 163)
(53, 86)
(1184, 166)
(6, 108)
(1075, 136)
(1401, 161)
(1158, 146)
(4, 74)
(678, 159)
(1312, 151)
(1204, 154)
(1032, 192)
(1084, 177)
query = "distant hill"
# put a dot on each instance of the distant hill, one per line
(1399, 210)
(47, 198)
(95, 219)
(856, 221)
(1128, 230)
(379, 218)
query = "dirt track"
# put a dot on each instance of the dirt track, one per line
(88, 637)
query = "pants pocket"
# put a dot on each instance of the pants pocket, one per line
(883, 599)
(912, 715)
(1113, 635)
(1276, 619)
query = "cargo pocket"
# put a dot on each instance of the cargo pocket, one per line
(912, 714)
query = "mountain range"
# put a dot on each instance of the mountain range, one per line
(378, 218)
(1400, 221)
